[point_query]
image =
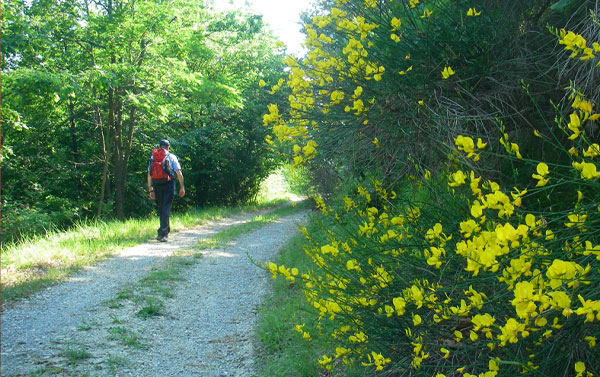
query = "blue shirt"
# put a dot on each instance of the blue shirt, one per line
(172, 159)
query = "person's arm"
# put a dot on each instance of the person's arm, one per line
(181, 186)
(150, 188)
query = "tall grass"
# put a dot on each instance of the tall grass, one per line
(39, 261)
(282, 351)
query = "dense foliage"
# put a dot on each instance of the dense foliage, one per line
(467, 244)
(89, 87)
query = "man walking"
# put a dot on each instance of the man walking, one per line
(162, 170)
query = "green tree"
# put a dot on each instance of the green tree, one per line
(90, 87)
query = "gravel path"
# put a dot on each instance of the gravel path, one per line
(90, 325)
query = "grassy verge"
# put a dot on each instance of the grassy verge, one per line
(282, 350)
(221, 239)
(39, 262)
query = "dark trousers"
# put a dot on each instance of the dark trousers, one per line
(164, 199)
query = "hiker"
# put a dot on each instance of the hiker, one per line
(162, 170)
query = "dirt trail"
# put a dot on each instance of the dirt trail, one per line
(205, 329)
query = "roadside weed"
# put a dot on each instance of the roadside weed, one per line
(76, 354)
(125, 336)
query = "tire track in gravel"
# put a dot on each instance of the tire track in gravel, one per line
(207, 329)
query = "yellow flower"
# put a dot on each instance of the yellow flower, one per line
(480, 143)
(456, 179)
(359, 106)
(561, 271)
(445, 352)
(587, 169)
(416, 319)
(326, 360)
(472, 12)
(273, 269)
(493, 366)
(574, 125)
(407, 70)
(469, 227)
(560, 300)
(510, 332)
(591, 341)
(261, 83)
(476, 209)
(482, 321)
(524, 299)
(583, 105)
(336, 96)
(357, 92)
(542, 171)
(588, 308)
(426, 13)
(399, 305)
(395, 37)
(473, 335)
(572, 41)
(396, 24)
(416, 295)
(465, 144)
(389, 311)
(378, 360)
(353, 265)
(457, 336)
(592, 151)
(341, 351)
(413, 3)
(447, 72)
(514, 148)
(359, 337)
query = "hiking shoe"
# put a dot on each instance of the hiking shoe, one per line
(162, 239)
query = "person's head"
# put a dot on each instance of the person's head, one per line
(164, 143)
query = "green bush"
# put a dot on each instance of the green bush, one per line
(470, 246)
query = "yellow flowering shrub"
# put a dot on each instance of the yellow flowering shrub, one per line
(489, 288)
(457, 271)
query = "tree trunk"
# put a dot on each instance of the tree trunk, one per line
(105, 146)
(118, 161)
(74, 145)
(122, 162)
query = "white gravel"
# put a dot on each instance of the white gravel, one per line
(206, 330)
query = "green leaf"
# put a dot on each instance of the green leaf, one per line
(561, 5)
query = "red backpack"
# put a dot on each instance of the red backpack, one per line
(160, 170)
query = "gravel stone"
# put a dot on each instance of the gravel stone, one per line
(206, 329)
